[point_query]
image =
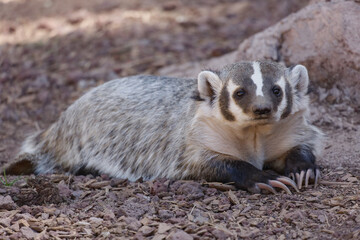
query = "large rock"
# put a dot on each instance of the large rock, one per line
(324, 36)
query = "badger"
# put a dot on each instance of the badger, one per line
(246, 124)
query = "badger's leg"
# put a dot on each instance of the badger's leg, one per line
(300, 163)
(246, 176)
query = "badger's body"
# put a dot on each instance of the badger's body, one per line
(229, 130)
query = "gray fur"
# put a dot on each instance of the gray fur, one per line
(150, 127)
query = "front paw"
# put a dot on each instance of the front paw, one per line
(267, 181)
(300, 166)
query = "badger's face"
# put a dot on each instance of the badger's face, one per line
(255, 92)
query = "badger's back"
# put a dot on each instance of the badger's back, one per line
(128, 128)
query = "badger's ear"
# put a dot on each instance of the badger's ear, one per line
(299, 79)
(209, 84)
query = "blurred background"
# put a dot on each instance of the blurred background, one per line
(51, 51)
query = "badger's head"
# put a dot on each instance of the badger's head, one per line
(261, 92)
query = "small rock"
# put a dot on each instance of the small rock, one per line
(28, 233)
(135, 207)
(159, 186)
(64, 190)
(316, 194)
(159, 237)
(7, 203)
(282, 237)
(322, 218)
(146, 230)
(193, 190)
(109, 214)
(180, 235)
(165, 214)
(180, 213)
(198, 216)
(163, 228)
(307, 235)
(5, 222)
(220, 234)
(133, 224)
(15, 227)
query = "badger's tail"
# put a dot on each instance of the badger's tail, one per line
(28, 158)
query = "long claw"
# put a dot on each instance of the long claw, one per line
(288, 181)
(309, 172)
(297, 175)
(278, 184)
(317, 176)
(266, 187)
(302, 173)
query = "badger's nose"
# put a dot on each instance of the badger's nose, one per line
(261, 110)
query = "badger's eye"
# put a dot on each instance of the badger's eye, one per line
(277, 91)
(240, 92)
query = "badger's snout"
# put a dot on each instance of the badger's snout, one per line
(261, 110)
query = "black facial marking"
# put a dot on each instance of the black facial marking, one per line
(271, 73)
(289, 100)
(224, 104)
(269, 84)
(240, 74)
(246, 100)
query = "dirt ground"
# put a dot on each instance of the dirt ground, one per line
(52, 51)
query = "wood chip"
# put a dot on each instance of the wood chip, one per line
(220, 186)
(99, 184)
(159, 237)
(146, 230)
(233, 198)
(23, 222)
(28, 233)
(164, 227)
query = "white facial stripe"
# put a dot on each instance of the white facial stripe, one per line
(281, 83)
(233, 107)
(257, 79)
